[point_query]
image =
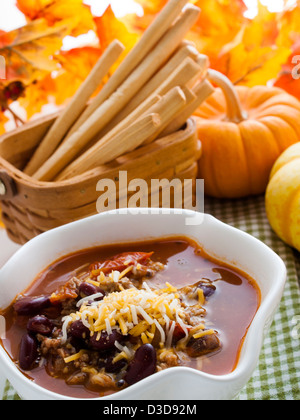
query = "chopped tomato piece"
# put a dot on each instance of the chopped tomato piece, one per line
(120, 262)
(178, 333)
(63, 293)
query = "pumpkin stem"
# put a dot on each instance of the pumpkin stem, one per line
(235, 112)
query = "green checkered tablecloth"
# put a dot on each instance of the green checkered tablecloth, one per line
(277, 376)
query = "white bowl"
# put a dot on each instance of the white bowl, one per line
(218, 239)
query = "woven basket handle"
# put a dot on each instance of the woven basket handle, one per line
(8, 188)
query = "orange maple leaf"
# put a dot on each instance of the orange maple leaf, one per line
(289, 78)
(110, 28)
(3, 121)
(28, 51)
(255, 55)
(151, 9)
(77, 13)
(32, 53)
(76, 65)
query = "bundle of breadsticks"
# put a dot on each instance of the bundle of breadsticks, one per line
(151, 94)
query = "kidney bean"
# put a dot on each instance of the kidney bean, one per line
(208, 288)
(78, 330)
(143, 364)
(40, 325)
(32, 305)
(106, 341)
(88, 289)
(197, 347)
(112, 367)
(28, 352)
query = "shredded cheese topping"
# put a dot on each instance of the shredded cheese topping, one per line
(138, 312)
(145, 313)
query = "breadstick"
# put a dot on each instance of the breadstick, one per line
(202, 91)
(108, 150)
(141, 110)
(109, 109)
(167, 108)
(157, 57)
(181, 66)
(149, 39)
(75, 108)
(172, 104)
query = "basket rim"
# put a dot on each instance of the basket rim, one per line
(17, 175)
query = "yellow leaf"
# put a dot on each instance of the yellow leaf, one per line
(75, 64)
(55, 11)
(3, 121)
(254, 56)
(28, 51)
(110, 28)
(1, 223)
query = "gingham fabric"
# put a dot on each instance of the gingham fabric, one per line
(277, 376)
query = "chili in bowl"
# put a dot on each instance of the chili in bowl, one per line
(119, 316)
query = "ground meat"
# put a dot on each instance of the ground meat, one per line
(126, 283)
(166, 359)
(110, 286)
(48, 344)
(138, 274)
(55, 364)
(77, 378)
(83, 360)
(102, 380)
(143, 272)
(67, 307)
(194, 314)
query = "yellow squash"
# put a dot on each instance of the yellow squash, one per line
(283, 197)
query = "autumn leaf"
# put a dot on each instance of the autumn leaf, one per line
(28, 51)
(76, 65)
(78, 62)
(289, 25)
(3, 120)
(218, 24)
(152, 7)
(54, 11)
(254, 56)
(245, 50)
(151, 10)
(10, 93)
(110, 28)
(289, 78)
(1, 223)
(219, 21)
(37, 94)
(31, 54)
(28, 54)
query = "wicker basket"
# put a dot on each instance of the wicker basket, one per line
(30, 207)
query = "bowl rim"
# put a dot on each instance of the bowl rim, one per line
(252, 343)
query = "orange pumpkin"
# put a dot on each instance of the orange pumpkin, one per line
(243, 132)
